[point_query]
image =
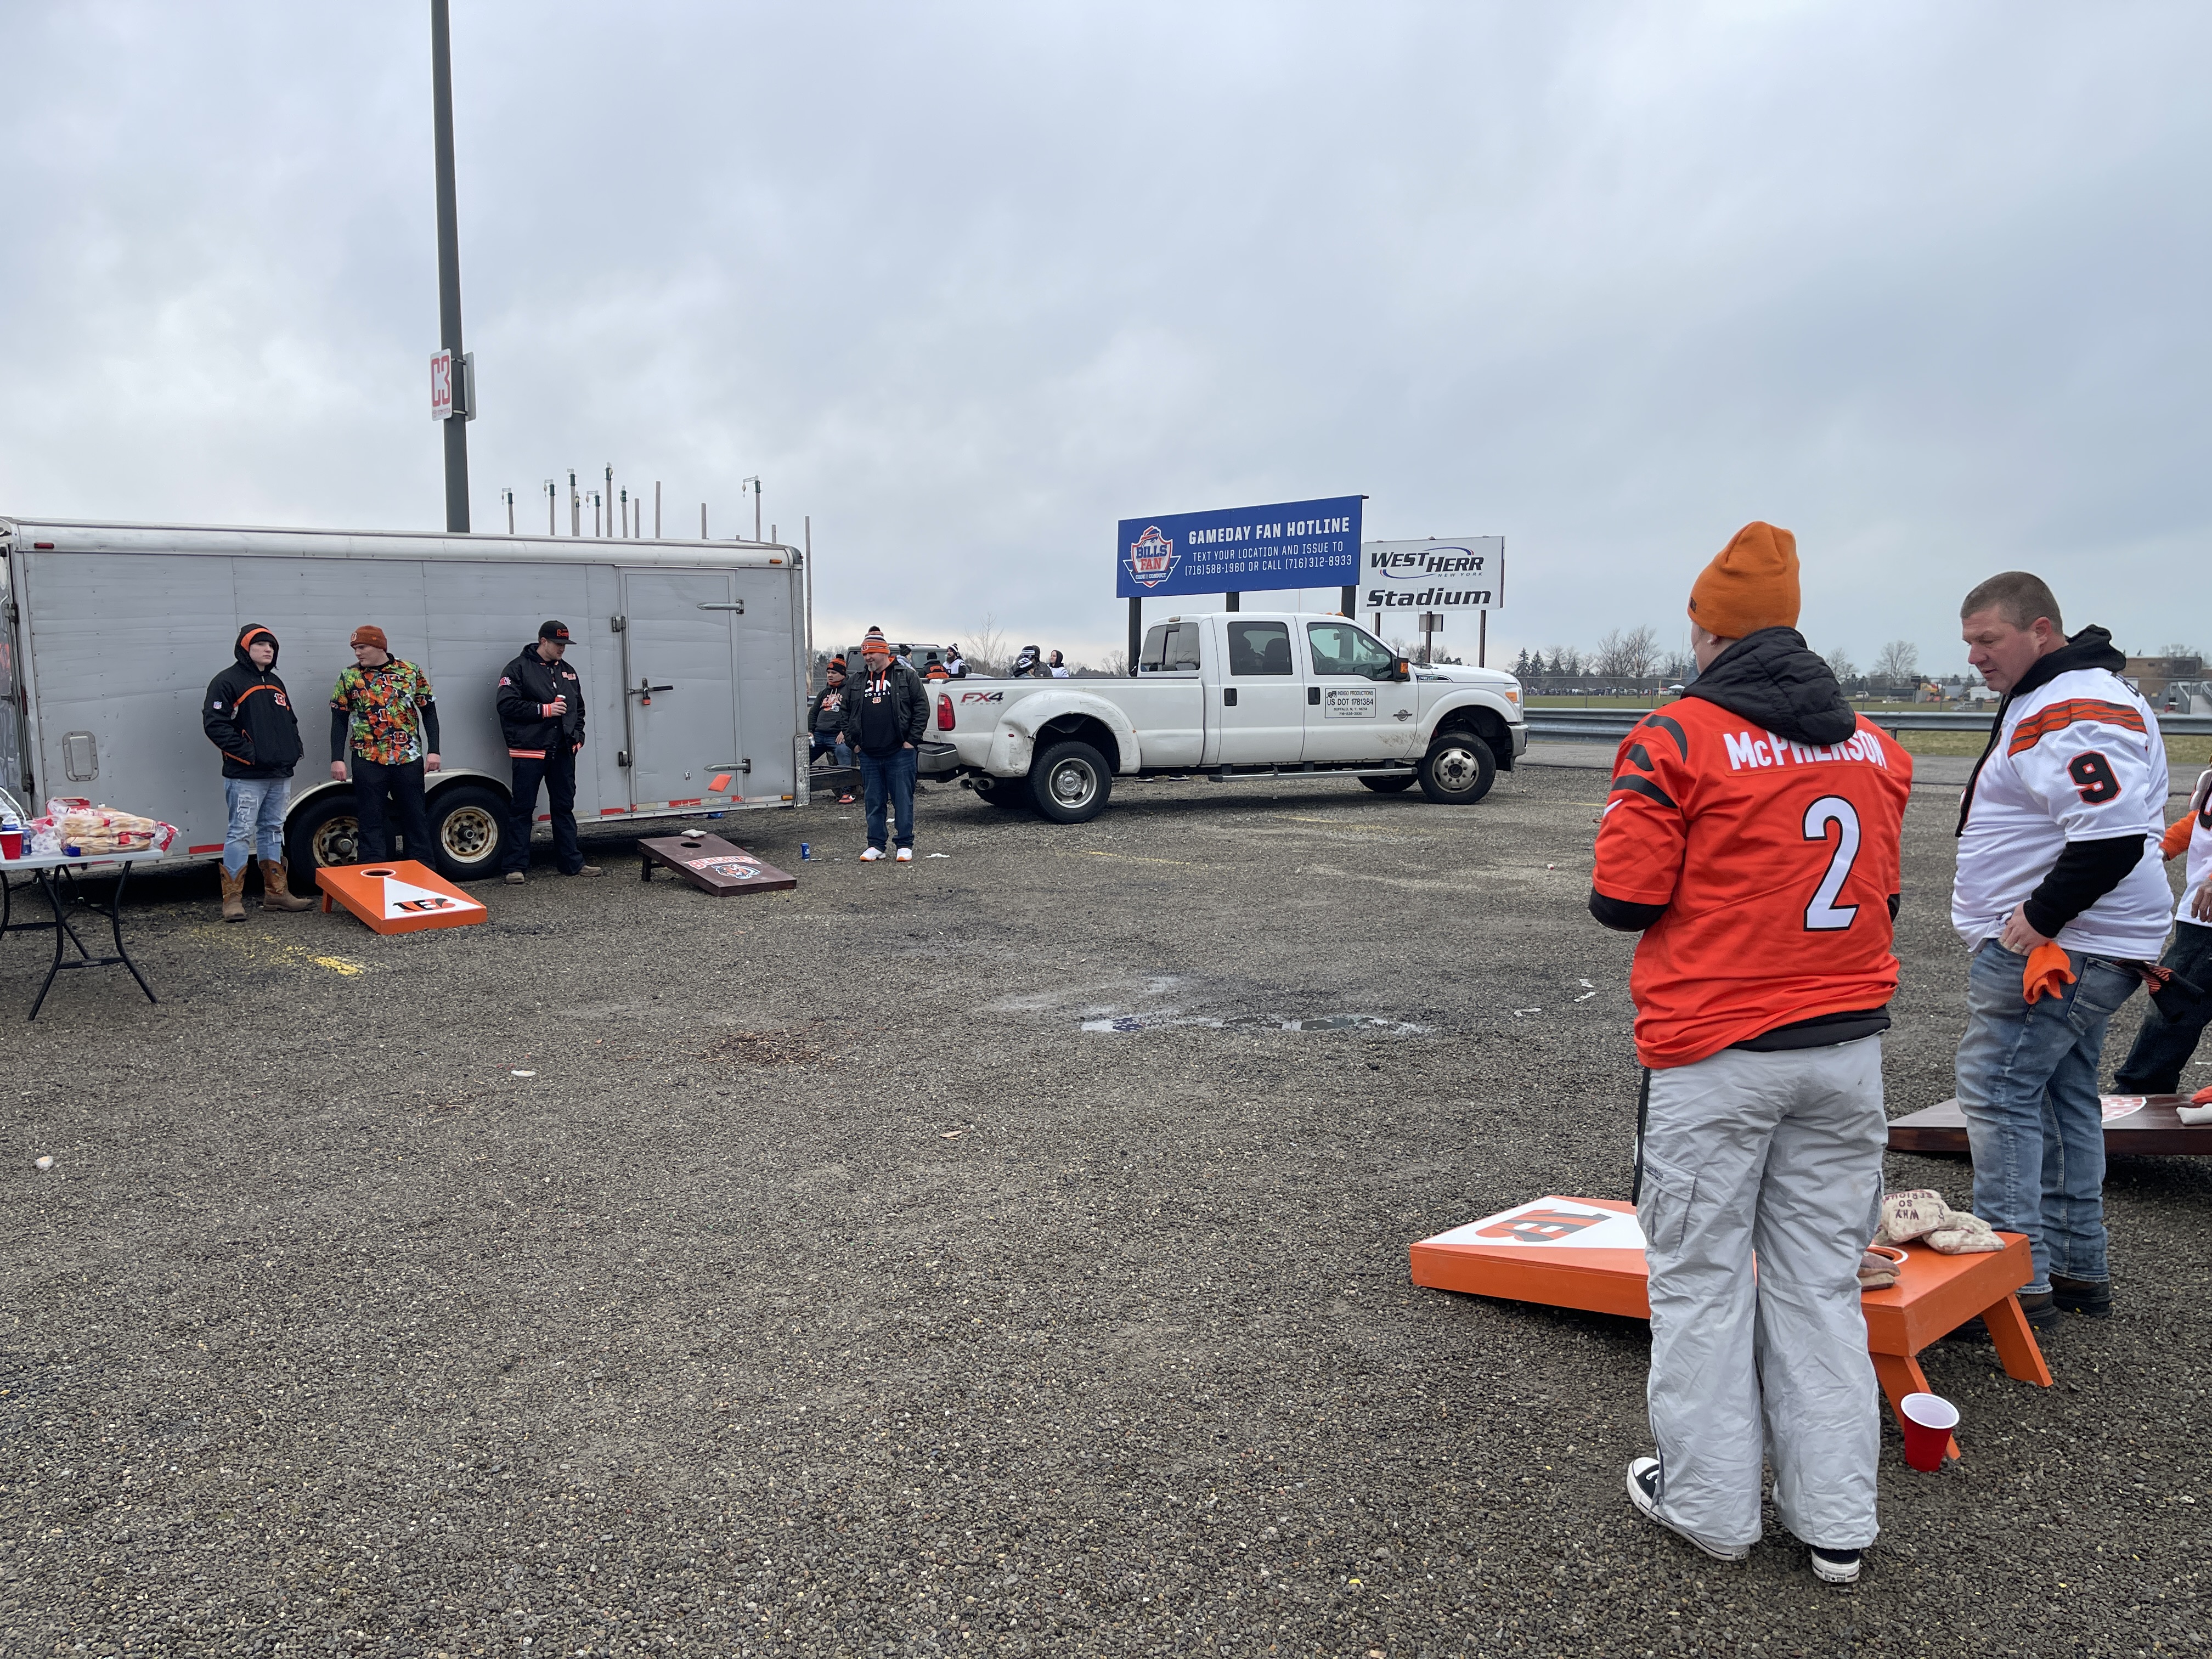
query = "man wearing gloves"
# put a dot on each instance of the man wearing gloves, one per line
(1752, 837)
(541, 713)
(383, 716)
(885, 715)
(248, 716)
(2058, 896)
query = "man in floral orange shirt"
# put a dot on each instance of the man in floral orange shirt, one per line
(382, 714)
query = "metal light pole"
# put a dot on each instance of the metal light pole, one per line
(508, 495)
(575, 506)
(449, 263)
(552, 503)
(755, 482)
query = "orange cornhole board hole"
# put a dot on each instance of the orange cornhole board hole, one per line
(401, 896)
(1587, 1253)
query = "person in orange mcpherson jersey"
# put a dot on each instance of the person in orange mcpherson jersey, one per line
(1752, 837)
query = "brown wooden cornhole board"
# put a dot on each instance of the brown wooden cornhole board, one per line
(1587, 1253)
(2133, 1124)
(712, 864)
(398, 896)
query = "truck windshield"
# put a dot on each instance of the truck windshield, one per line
(1341, 648)
(1259, 648)
(1170, 648)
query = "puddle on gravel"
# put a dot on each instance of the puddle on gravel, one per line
(1162, 1017)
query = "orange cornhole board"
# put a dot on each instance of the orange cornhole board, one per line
(401, 896)
(2144, 1124)
(1587, 1253)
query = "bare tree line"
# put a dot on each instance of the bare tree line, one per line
(1634, 653)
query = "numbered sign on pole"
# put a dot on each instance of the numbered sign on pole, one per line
(441, 385)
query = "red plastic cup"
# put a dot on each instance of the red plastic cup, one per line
(11, 843)
(1928, 1420)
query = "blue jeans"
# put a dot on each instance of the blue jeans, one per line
(2028, 1082)
(827, 743)
(891, 774)
(256, 821)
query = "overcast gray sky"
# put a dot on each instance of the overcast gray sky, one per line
(968, 283)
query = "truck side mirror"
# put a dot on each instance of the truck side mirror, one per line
(1401, 670)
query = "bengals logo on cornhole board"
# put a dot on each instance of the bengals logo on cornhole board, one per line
(401, 896)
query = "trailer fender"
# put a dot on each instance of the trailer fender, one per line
(1071, 713)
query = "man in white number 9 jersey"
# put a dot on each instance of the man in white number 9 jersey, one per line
(2055, 848)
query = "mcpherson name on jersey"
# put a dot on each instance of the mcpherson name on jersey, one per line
(1773, 749)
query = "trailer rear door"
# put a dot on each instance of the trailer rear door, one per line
(682, 685)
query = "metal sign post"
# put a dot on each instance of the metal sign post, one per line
(449, 280)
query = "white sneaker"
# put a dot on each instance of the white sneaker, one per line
(905, 855)
(1836, 1566)
(1644, 1492)
(872, 855)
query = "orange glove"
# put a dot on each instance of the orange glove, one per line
(2202, 1097)
(2048, 970)
(2177, 835)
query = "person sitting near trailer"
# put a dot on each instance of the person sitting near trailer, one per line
(541, 715)
(825, 720)
(884, 719)
(1058, 667)
(383, 716)
(956, 665)
(249, 717)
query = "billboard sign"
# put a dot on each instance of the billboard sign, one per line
(1240, 550)
(1467, 573)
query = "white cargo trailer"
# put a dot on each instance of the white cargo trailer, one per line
(693, 656)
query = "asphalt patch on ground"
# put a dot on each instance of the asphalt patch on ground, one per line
(640, 1272)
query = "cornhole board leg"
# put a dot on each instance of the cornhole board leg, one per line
(1900, 1375)
(2017, 1348)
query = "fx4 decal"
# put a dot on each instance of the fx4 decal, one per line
(982, 697)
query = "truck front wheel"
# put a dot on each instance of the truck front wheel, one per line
(1458, 770)
(1070, 783)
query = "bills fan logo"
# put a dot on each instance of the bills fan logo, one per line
(1153, 558)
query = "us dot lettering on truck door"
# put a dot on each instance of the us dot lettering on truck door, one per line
(1348, 704)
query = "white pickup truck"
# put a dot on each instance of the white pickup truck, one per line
(1228, 695)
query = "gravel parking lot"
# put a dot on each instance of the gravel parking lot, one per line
(1001, 1253)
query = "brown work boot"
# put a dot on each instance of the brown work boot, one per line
(234, 894)
(276, 892)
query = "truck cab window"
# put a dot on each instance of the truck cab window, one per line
(1169, 648)
(1259, 648)
(1341, 648)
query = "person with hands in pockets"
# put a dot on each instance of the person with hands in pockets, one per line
(2063, 904)
(541, 715)
(248, 716)
(1752, 837)
(384, 734)
(885, 715)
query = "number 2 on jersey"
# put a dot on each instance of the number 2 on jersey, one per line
(1824, 914)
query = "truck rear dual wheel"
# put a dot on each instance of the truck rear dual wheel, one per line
(468, 828)
(1458, 770)
(1070, 782)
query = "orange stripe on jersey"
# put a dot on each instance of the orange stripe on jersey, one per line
(2073, 712)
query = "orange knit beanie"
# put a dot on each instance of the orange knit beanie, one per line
(1751, 584)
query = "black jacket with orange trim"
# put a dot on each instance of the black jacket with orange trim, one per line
(527, 688)
(247, 714)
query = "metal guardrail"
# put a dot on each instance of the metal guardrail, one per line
(1611, 724)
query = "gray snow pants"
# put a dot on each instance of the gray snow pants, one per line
(1779, 1154)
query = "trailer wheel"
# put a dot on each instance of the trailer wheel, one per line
(1389, 786)
(468, 828)
(1070, 783)
(1008, 794)
(1458, 770)
(326, 834)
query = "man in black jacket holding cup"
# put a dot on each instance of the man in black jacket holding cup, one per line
(541, 713)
